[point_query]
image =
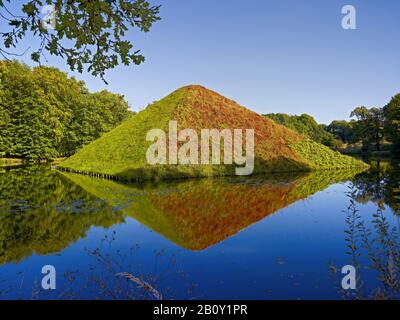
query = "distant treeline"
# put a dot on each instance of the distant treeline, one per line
(306, 125)
(371, 129)
(44, 114)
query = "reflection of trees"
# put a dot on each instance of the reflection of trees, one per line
(380, 185)
(42, 212)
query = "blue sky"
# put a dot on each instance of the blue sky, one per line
(288, 56)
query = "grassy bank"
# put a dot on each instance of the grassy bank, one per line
(320, 157)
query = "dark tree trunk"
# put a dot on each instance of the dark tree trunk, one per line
(378, 146)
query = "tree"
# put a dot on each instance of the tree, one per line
(46, 114)
(342, 130)
(370, 126)
(392, 111)
(100, 112)
(304, 124)
(86, 32)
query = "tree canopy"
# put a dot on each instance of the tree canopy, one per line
(370, 125)
(45, 114)
(89, 34)
(343, 130)
(306, 125)
(392, 110)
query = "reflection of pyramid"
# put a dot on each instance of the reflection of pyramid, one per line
(197, 214)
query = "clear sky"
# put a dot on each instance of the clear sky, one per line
(288, 56)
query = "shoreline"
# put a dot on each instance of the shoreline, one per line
(11, 162)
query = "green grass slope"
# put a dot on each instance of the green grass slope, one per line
(121, 153)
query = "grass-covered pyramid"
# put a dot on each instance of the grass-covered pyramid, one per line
(121, 153)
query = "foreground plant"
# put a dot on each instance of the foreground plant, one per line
(374, 250)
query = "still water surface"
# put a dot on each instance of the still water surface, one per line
(276, 237)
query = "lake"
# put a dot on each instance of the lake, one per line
(283, 236)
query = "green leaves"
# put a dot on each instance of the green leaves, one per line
(304, 124)
(369, 127)
(35, 56)
(392, 125)
(87, 34)
(29, 8)
(45, 114)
